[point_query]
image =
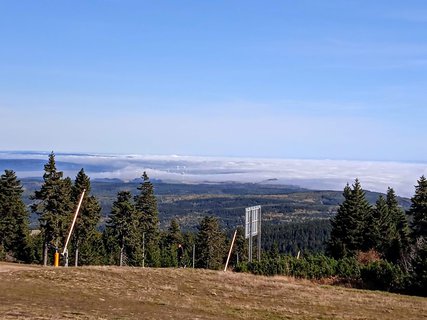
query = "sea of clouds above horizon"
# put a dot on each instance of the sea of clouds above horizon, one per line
(311, 174)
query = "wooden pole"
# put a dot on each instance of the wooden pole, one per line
(74, 221)
(231, 248)
(76, 261)
(194, 255)
(45, 253)
(143, 249)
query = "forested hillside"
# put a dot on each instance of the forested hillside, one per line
(188, 203)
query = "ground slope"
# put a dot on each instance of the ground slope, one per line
(135, 293)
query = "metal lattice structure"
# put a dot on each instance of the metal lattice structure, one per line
(253, 228)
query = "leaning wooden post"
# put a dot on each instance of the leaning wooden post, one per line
(231, 248)
(65, 252)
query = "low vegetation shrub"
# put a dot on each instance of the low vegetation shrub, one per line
(310, 267)
(376, 275)
(383, 275)
(348, 268)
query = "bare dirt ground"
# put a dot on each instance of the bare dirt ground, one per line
(33, 292)
(10, 267)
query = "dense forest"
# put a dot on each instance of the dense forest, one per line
(366, 236)
(189, 203)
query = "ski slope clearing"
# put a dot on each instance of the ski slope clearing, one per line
(33, 292)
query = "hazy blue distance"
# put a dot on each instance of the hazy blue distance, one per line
(274, 79)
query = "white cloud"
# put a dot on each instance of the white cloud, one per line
(314, 174)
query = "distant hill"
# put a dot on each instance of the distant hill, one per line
(188, 203)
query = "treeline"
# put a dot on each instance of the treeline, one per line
(131, 235)
(309, 236)
(379, 247)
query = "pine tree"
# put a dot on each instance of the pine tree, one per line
(399, 233)
(146, 205)
(123, 225)
(169, 245)
(14, 220)
(189, 241)
(379, 231)
(419, 267)
(241, 245)
(337, 246)
(418, 210)
(176, 243)
(210, 245)
(384, 226)
(362, 211)
(85, 232)
(53, 205)
(174, 233)
(351, 223)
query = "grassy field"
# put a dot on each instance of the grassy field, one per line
(33, 292)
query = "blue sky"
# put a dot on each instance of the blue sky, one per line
(273, 79)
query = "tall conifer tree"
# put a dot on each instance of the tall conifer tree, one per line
(123, 225)
(172, 239)
(85, 232)
(418, 209)
(210, 244)
(14, 218)
(385, 225)
(379, 231)
(399, 235)
(351, 223)
(241, 246)
(337, 245)
(53, 205)
(146, 205)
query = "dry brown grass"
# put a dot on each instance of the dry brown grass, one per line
(136, 293)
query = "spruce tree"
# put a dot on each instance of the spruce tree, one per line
(174, 239)
(53, 205)
(85, 232)
(384, 225)
(123, 226)
(146, 205)
(399, 235)
(189, 241)
(337, 245)
(14, 219)
(350, 224)
(362, 211)
(379, 231)
(210, 244)
(418, 210)
(241, 246)
(171, 240)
